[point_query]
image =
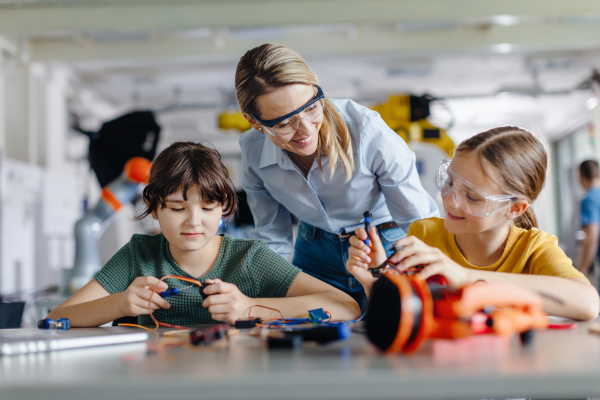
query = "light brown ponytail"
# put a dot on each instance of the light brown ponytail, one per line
(270, 66)
(518, 158)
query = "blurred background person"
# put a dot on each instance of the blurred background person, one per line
(589, 177)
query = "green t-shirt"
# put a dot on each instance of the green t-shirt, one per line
(249, 264)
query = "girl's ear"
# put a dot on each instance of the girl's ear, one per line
(516, 209)
(154, 214)
(254, 123)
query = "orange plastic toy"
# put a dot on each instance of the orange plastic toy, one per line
(405, 310)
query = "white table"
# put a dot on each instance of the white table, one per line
(558, 364)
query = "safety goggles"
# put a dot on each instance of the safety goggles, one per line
(470, 199)
(288, 124)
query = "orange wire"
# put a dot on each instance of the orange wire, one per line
(268, 308)
(151, 313)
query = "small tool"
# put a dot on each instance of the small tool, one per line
(378, 271)
(387, 264)
(173, 292)
(367, 216)
(203, 288)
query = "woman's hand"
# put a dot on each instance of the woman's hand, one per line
(226, 303)
(362, 257)
(414, 252)
(134, 300)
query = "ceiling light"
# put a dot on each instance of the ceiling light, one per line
(505, 20)
(591, 103)
(502, 48)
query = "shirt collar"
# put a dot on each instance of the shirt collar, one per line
(268, 155)
(272, 154)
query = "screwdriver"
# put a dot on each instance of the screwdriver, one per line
(173, 292)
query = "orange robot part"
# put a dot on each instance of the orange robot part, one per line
(137, 170)
(428, 310)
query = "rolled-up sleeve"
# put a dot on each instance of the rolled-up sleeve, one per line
(388, 157)
(272, 221)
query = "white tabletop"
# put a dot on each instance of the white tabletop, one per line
(559, 363)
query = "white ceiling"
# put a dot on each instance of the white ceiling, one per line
(509, 62)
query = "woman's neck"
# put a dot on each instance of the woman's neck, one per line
(484, 248)
(199, 262)
(303, 162)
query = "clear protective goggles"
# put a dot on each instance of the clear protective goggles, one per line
(288, 124)
(469, 198)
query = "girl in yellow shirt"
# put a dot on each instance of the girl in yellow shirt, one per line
(489, 231)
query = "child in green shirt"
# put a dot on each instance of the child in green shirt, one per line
(189, 190)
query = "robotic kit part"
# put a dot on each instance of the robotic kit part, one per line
(247, 323)
(62, 324)
(290, 340)
(206, 336)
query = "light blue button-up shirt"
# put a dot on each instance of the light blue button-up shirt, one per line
(384, 181)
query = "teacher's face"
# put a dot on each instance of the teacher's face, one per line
(283, 101)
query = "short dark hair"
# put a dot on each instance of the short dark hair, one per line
(183, 165)
(589, 169)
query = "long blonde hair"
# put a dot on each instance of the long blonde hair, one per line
(519, 160)
(271, 66)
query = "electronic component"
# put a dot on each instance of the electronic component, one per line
(326, 334)
(205, 336)
(247, 323)
(318, 315)
(62, 324)
(173, 292)
(204, 286)
(289, 340)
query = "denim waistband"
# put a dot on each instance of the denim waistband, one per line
(313, 232)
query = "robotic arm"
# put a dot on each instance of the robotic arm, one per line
(91, 226)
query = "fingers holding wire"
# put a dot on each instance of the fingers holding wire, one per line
(360, 257)
(407, 247)
(357, 243)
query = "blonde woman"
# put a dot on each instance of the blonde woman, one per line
(325, 161)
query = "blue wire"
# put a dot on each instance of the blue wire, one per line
(295, 321)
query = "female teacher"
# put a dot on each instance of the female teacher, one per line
(325, 161)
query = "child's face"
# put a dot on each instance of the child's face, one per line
(188, 225)
(456, 220)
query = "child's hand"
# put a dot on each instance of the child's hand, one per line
(226, 303)
(361, 257)
(414, 252)
(134, 300)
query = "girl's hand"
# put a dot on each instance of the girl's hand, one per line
(226, 303)
(414, 252)
(134, 300)
(362, 257)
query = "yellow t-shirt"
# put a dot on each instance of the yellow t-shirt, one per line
(527, 251)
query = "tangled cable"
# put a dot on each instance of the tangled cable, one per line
(151, 313)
